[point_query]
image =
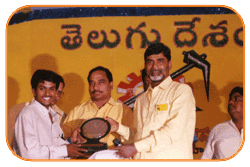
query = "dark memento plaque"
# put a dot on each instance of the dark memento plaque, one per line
(93, 130)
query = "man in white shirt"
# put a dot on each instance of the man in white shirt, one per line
(14, 110)
(225, 139)
(38, 134)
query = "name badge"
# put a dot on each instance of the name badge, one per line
(162, 107)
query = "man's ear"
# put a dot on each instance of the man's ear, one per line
(34, 92)
(170, 65)
(111, 85)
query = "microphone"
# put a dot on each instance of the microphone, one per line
(117, 142)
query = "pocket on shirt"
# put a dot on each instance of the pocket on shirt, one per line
(161, 114)
(162, 107)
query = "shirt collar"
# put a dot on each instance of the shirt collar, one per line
(42, 108)
(54, 107)
(57, 110)
(111, 102)
(164, 84)
(234, 126)
(29, 102)
(46, 111)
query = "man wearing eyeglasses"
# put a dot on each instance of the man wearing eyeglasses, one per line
(58, 95)
(225, 139)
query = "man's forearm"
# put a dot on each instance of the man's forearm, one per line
(124, 131)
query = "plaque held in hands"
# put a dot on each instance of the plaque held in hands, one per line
(93, 130)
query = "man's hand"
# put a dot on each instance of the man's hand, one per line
(76, 137)
(126, 150)
(75, 151)
(113, 123)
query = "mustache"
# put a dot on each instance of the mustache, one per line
(96, 91)
(158, 70)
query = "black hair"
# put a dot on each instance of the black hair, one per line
(44, 75)
(236, 89)
(143, 74)
(108, 73)
(157, 48)
(60, 78)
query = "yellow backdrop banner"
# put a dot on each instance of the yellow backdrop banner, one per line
(72, 47)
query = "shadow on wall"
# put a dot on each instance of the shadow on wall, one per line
(13, 92)
(43, 61)
(73, 92)
(211, 113)
(74, 85)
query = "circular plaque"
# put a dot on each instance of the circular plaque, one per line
(94, 129)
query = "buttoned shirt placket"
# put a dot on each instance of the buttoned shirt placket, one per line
(150, 111)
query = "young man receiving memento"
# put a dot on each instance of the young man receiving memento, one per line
(38, 134)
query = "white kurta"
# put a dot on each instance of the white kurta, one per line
(36, 137)
(224, 140)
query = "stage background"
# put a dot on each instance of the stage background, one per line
(35, 40)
